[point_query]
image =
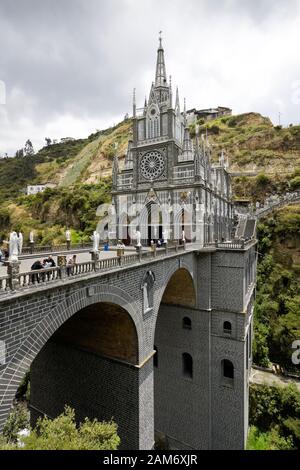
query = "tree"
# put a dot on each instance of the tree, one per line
(20, 153)
(28, 149)
(48, 141)
(62, 433)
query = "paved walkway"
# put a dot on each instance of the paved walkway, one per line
(269, 378)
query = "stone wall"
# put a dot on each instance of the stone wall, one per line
(94, 386)
(198, 412)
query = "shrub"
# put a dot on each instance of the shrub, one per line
(62, 433)
(17, 420)
(295, 183)
(270, 440)
(262, 180)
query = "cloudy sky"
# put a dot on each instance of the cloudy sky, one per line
(69, 66)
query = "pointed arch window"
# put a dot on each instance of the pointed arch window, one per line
(187, 365)
(147, 288)
(227, 371)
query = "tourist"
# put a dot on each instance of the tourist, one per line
(70, 265)
(37, 265)
(46, 265)
(51, 261)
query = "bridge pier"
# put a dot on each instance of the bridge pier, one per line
(89, 340)
(96, 387)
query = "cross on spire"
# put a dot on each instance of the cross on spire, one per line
(160, 39)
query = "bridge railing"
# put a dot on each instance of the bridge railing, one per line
(4, 283)
(39, 276)
(18, 281)
(26, 250)
(231, 245)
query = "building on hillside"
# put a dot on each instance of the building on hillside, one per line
(169, 188)
(207, 114)
(38, 188)
(63, 140)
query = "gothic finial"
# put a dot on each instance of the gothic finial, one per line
(134, 103)
(184, 111)
(170, 92)
(177, 99)
(160, 75)
(160, 40)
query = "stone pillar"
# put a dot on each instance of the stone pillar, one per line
(139, 252)
(13, 270)
(95, 258)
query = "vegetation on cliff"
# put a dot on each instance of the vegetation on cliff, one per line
(274, 417)
(277, 303)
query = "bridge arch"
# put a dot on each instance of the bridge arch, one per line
(46, 328)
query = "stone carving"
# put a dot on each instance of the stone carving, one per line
(96, 240)
(13, 247)
(68, 235)
(138, 238)
(152, 165)
(20, 240)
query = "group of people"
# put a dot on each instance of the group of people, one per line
(50, 263)
(42, 264)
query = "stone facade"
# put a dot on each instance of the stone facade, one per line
(169, 184)
(218, 411)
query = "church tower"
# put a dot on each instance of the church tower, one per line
(168, 187)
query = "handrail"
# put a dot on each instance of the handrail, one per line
(30, 249)
(39, 277)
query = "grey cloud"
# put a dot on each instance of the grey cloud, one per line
(83, 57)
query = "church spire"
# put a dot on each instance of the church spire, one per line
(177, 103)
(115, 170)
(134, 104)
(160, 76)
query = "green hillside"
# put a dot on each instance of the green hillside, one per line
(264, 159)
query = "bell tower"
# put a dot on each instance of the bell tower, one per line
(164, 170)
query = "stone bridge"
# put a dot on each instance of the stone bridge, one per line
(160, 342)
(289, 198)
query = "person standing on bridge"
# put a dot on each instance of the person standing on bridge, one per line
(37, 265)
(71, 265)
(50, 261)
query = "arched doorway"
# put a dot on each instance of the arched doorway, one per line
(183, 224)
(175, 362)
(90, 364)
(151, 223)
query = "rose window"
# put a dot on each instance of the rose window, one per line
(152, 165)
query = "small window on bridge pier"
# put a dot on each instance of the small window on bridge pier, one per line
(187, 323)
(187, 365)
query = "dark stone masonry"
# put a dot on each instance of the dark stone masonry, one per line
(204, 411)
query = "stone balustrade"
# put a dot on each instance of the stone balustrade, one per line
(15, 281)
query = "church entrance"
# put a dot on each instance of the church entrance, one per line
(151, 224)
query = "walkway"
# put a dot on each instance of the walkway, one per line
(269, 378)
